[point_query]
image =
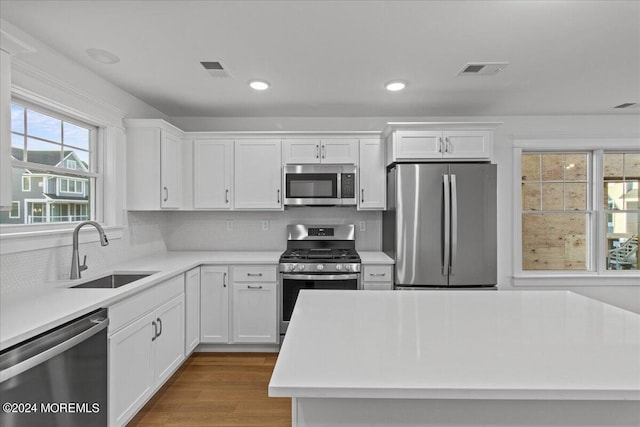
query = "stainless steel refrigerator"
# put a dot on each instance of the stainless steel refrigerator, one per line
(440, 225)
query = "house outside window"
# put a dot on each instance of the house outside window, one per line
(579, 211)
(54, 166)
(15, 210)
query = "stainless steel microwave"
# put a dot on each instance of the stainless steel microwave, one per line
(328, 185)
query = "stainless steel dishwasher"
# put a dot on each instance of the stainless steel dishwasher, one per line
(58, 378)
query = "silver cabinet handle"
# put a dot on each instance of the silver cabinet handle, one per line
(254, 274)
(278, 196)
(254, 287)
(324, 151)
(377, 274)
(362, 199)
(440, 145)
(224, 280)
(166, 194)
(447, 145)
(226, 196)
(155, 330)
(317, 151)
(160, 326)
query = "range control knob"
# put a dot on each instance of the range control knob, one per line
(339, 267)
(320, 267)
(347, 267)
(301, 267)
(289, 267)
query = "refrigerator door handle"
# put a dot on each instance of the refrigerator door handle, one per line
(454, 223)
(447, 224)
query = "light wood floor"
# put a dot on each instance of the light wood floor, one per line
(218, 389)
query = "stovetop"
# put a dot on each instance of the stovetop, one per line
(325, 255)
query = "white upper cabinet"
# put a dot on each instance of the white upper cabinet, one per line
(314, 151)
(373, 176)
(258, 174)
(154, 161)
(212, 174)
(170, 170)
(439, 141)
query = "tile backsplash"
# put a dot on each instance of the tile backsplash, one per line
(33, 269)
(261, 231)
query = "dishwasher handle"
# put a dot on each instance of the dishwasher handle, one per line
(69, 339)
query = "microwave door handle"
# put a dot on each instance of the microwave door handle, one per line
(339, 184)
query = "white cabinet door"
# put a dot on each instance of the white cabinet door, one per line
(339, 151)
(373, 175)
(467, 144)
(131, 369)
(418, 145)
(214, 305)
(192, 310)
(301, 151)
(5, 131)
(255, 314)
(212, 174)
(170, 338)
(258, 174)
(170, 171)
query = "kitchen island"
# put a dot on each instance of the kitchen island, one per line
(449, 358)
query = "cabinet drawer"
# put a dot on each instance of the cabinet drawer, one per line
(132, 308)
(254, 273)
(377, 273)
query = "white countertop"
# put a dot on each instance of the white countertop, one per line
(26, 314)
(542, 345)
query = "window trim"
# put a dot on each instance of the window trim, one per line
(17, 203)
(27, 179)
(94, 175)
(596, 146)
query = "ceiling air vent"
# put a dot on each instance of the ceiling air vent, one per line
(626, 105)
(482, 68)
(215, 68)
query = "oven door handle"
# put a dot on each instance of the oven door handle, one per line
(320, 276)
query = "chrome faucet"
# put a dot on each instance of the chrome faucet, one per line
(76, 268)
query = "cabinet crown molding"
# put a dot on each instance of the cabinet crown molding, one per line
(417, 126)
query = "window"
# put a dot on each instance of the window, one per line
(579, 211)
(26, 183)
(60, 154)
(15, 210)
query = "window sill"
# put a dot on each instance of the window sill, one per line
(624, 278)
(15, 240)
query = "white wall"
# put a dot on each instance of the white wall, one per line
(51, 77)
(614, 125)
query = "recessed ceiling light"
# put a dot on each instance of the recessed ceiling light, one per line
(259, 84)
(395, 85)
(103, 56)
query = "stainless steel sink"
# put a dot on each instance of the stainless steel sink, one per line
(113, 280)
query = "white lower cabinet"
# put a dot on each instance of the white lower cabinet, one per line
(254, 312)
(144, 349)
(377, 277)
(214, 304)
(192, 310)
(247, 315)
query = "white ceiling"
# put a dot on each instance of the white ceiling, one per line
(330, 58)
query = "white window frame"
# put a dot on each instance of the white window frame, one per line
(18, 205)
(94, 175)
(26, 188)
(597, 226)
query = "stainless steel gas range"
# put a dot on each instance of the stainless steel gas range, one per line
(317, 257)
